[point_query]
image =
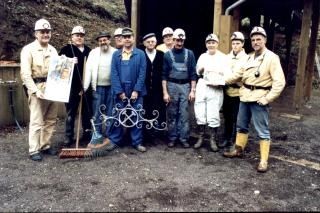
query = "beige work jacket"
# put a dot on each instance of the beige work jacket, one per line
(35, 61)
(236, 63)
(271, 74)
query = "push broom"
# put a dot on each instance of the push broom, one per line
(76, 152)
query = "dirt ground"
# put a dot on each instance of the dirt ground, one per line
(164, 179)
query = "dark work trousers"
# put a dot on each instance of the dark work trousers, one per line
(72, 110)
(230, 113)
(151, 103)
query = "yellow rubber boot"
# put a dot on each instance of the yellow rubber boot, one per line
(264, 155)
(241, 142)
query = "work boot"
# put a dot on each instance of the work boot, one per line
(264, 155)
(140, 148)
(241, 142)
(213, 139)
(223, 143)
(171, 144)
(199, 142)
(50, 151)
(36, 157)
(68, 141)
(185, 144)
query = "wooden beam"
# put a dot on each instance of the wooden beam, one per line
(217, 16)
(303, 49)
(312, 51)
(134, 18)
(225, 34)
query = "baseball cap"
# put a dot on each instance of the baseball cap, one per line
(258, 30)
(78, 30)
(127, 31)
(42, 24)
(179, 34)
(237, 36)
(149, 35)
(167, 31)
(212, 37)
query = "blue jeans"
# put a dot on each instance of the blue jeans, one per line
(102, 103)
(116, 132)
(178, 112)
(260, 118)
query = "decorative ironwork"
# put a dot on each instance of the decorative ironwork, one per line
(128, 116)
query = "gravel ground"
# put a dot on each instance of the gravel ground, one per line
(164, 179)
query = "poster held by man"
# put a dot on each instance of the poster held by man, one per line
(59, 79)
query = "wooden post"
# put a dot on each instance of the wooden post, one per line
(303, 49)
(312, 51)
(217, 16)
(225, 34)
(135, 18)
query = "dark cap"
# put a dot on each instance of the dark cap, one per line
(103, 34)
(149, 35)
(127, 31)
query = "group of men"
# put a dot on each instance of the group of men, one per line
(164, 77)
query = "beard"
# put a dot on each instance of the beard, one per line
(104, 48)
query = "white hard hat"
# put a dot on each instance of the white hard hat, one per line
(78, 30)
(117, 32)
(179, 34)
(237, 36)
(212, 37)
(42, 24)
(167, 31)
(258, 30)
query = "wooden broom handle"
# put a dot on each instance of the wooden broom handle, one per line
(80, 107)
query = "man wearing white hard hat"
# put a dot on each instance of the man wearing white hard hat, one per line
(80, 52)
(179, 86)
(237, 58)
(167, 44)
(263, 81)
(117, 36)
(35, 59)
(212, 66)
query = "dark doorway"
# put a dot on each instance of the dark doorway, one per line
(193, 17)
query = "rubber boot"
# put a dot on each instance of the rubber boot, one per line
(264, 155)
(213, 139)
(241, 142)
(199, 142)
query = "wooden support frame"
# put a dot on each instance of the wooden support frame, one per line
(312, 51)
(217, 16)
(303, 49)
(225, 33)
(135, 19)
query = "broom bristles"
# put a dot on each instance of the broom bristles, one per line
(75, 153)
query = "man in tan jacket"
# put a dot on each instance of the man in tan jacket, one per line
(35, 60)
(263, 81)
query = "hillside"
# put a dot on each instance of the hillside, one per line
(17, 20)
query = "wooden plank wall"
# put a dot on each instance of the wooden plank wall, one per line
(12, 73)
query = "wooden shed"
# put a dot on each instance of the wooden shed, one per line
(199, 18)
